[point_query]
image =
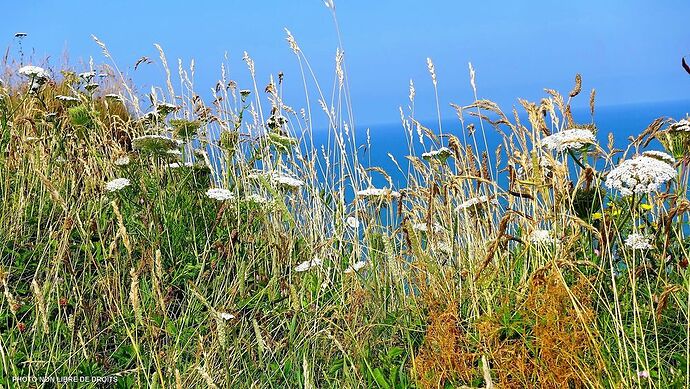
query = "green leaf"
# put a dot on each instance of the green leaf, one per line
(395, 352)
(380, 379)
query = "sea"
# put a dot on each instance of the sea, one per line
(376, 142)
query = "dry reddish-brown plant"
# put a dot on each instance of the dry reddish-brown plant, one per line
(555, 350)
(445, 354)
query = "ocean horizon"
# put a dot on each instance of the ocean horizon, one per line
(623, 121)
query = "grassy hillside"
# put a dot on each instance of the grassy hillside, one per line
(209, 243)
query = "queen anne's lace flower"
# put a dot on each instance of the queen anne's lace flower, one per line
(352, 222)
(286, 181)
(87, 75)
(541, 237)
(378, 193)
(442, 153)
(306, 265)
(640, 175)
(219, 194)
(117, 184)
(569, 139)
(113, 96)
(638, 242)
(682, 125)
(661, 156)
(122, 161)
(177, 165)
(422, 227)
(357, 266)
(226, 316)
(35, 72)
(476, 202)
(66, 98)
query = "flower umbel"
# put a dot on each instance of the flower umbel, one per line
(36, 73)
(638, 241)
(642, 174)
(117, 184)
(219, 194)
(541, 237)
(357, 266)
(376, 193)
(572, 139)
(306, 265)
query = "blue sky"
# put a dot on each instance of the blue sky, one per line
(629, 51)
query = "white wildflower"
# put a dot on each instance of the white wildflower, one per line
(177, 165)
(637, 241)
(568, 139)
(113, 96)
(226, 316)
(257, 199)
(34, 72)
(476, 202)
(117, 184)
(640, 175)
(422, 227)
(122, 161)
(286, 181)
(661, 156)
(541, 237)
(352, 222)
(87, 75)
(219, 194)
(306, 265)
(355, 267)
(66, 98)
(378, 193)
(442, 153)
(682, 125)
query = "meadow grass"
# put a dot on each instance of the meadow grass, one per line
(211, 243)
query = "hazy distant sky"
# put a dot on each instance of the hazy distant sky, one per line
(629, 50)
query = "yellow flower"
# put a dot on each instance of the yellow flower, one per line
(596, 216)
(646, 207)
